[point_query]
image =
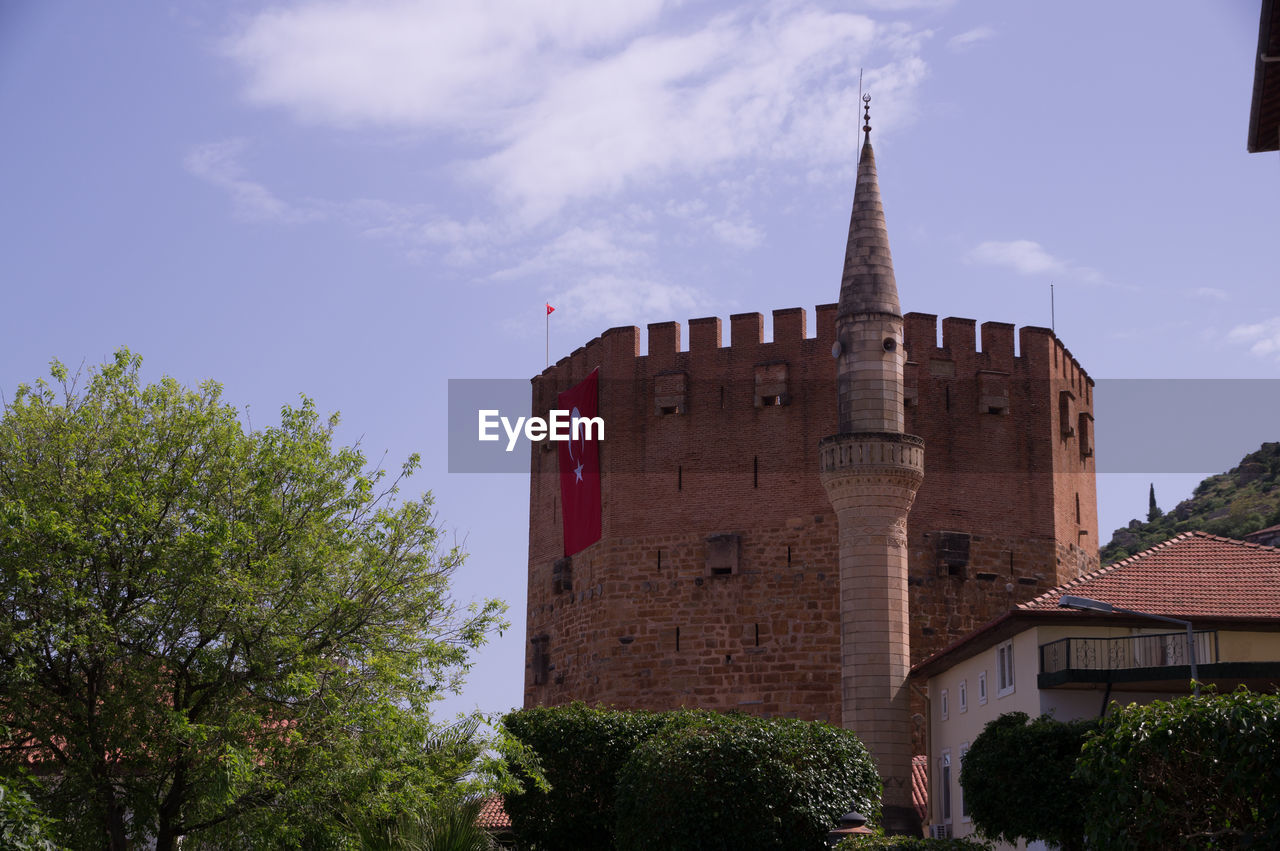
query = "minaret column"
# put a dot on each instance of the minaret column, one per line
(871, 479)
(871, 471)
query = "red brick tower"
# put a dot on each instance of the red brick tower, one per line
(871, 470)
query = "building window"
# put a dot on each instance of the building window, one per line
(963, 695)
(964, 805)
(982, 688)
(1004, 669)
(944, 791)
(942, 704)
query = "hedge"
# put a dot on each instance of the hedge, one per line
(910, 843)
(1017, 780)
(1189, 773)
(581, 750)
(715, 782)
(685, 779)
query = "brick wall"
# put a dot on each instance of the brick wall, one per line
(718, 440)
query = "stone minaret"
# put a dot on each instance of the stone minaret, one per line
(871, 471)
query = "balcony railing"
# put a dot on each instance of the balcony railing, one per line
(1162, 650)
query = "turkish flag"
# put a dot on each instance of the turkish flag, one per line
(580, 468)
(550, 309)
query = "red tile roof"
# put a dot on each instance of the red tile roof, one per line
(920, 785)
(492, 816)
(1194, 575)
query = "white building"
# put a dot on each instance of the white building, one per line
(1040, 658)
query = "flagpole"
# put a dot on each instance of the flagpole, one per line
(548, 338)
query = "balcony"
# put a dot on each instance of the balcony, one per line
(1156, 660)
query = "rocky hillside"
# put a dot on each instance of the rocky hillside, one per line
(1242, 500)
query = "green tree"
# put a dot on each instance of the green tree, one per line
(206, 628)
(1017, 779)
(1153, 511)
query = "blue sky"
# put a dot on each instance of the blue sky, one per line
(361, 200)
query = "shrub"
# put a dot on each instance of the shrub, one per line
(581, 750)
(1189, 773)
(712, 781)
(1017, 779)
(910, 843)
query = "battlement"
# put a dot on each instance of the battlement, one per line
(1040, 354)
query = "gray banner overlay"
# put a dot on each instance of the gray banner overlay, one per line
(1142, 425)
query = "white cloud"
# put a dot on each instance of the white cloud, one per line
(419, 62)
(610, 299)
(739, 234)
(1021, 255)
(969, 38)
(1263, 338)
(218, 163)
(1212, 293)
(571, 101)
(598, 246)
(1030, 258)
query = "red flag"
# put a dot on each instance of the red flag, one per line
(550, 309)
(580, 467)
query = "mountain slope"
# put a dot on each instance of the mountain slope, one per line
(1233, 504)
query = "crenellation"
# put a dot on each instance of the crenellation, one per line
(664, 344)
(959, 337)
(578, 368)
(997, 345)
(704, 334)
(746, 329)
(920, 335)
(788, 324)
(825, 324)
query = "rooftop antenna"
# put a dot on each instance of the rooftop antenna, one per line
(1052, 319)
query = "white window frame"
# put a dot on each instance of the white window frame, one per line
(942, 704)
(982, 688)
(1006, 677)
(962, 696)
(964, 810)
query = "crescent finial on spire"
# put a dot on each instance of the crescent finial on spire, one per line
(866, 119)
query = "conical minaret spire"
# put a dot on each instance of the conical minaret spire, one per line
(868, 285)
(871, 470)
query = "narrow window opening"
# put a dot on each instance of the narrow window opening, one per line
(945, 783)
(677, 639)
(770, 401)
(680, 478)
(755, 471)
(982, 688)
(947, 396)
(722, 395)
(1077, 509)
(665, 410)
(659, 559)
(757, 635)
(788, 556)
